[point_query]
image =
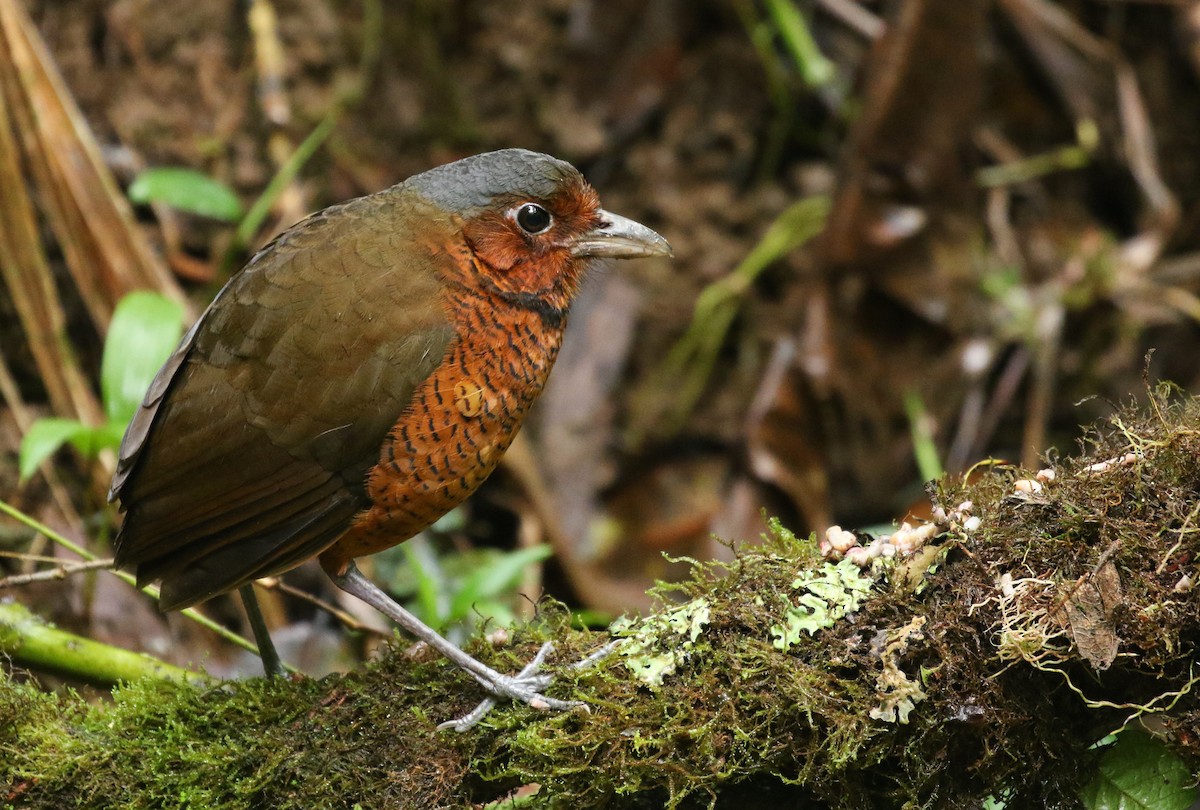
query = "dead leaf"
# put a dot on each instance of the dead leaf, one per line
(1089, 613)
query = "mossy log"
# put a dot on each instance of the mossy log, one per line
(986, 664)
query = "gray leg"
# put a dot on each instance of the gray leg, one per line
(266, 648)
(526, 686)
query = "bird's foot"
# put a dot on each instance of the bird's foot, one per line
(527, 686)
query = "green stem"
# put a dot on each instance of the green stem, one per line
(924, 446)
(129, 579)
(815, 69)
(1065, 158)
(32, 642)
(287, 173)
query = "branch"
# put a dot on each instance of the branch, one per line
(988, 665)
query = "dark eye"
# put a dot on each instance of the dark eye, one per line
(533, 218)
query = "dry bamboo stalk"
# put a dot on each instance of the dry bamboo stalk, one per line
(106, 253)
(27, 275)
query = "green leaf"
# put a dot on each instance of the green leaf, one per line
(144, 331)
(107, 436)
(1140, 773)
(45, 436)
(496, 613)
(494, 578)
(186, 190)
(430, 582)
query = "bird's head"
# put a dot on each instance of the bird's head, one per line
(531, 224)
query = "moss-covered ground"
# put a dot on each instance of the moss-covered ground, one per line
(987, 665)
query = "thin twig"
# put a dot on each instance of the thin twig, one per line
(1183, 531)
(149, 590)
(347, 619)
(58, 572)
(855, 16)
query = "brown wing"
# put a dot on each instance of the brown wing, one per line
(249, 453)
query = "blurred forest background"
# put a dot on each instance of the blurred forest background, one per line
(908, 236)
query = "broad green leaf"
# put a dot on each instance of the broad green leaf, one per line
(108, 436)
(494, 577)
(186, 190)
(45, 436)
(144, 331)
(1140, 773)
(495, 613)
(91, 440)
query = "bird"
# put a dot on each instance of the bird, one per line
(359, 377)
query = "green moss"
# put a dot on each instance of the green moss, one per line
(987, 674)
(286, 744)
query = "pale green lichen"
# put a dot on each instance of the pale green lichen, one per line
(897, 693)
(656, 645)
(829, 593)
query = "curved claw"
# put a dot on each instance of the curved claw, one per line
(512, 689)
(526, 686)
